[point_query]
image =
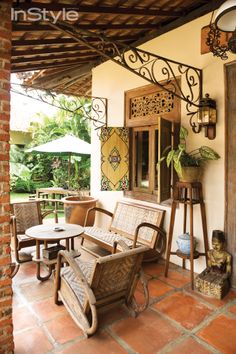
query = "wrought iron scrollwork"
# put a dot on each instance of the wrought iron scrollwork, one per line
(165, 73)
(213, 42)
(96, 112)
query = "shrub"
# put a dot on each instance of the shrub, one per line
(23, 186)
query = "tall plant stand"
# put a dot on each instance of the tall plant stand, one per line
(188, 194)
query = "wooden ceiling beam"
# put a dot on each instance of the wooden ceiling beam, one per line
(209, 6)
(111, 10)
(60, 76)
(81, 57)
(42, 42)
(19, 27)
(34, 67)
(26, 53)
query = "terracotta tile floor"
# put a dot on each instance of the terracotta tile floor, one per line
(178, 319)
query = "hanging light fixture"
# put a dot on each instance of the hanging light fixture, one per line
(225, 21)
(207, 116)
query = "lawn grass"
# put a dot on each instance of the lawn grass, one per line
(19, 197)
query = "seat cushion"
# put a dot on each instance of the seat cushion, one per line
(69, 276)
(107, 237)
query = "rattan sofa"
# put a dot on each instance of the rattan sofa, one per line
(133, 223)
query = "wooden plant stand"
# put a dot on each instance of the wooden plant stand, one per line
(187, 194)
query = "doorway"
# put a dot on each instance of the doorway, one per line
(230, 166)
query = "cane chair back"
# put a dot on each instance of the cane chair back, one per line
(25, 215)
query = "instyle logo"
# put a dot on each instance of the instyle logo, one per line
(35, 14)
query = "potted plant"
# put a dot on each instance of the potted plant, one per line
(187, 164)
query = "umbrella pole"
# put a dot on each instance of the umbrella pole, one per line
(69, 165)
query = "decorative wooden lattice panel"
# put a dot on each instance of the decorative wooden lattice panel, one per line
(156, 103)
(114, 159)
(144, 105)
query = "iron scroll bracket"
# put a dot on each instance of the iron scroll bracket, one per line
(158, 70)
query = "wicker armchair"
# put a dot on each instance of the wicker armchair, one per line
(24, 216)
(86, 287)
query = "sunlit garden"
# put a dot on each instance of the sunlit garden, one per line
(32, 170)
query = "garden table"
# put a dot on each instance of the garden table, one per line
(54, 191)
(49, 233)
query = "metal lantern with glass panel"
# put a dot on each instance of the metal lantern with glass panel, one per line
(207, 116)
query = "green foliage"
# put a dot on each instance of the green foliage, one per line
(181, 158)
(55, 169)
(22, 186)
(31, 171)
(21, 174)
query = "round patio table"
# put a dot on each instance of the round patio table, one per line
(50, 233)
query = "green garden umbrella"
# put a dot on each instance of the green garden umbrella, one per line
(68, 145)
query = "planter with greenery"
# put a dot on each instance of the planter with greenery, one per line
(187, 164)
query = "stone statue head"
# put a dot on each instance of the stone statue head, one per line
(218, 240)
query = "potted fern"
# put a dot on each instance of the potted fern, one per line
(188, 164)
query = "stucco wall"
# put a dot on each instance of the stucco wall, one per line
(111, 81)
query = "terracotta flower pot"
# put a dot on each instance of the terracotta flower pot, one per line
(76, 209)
(191, 174)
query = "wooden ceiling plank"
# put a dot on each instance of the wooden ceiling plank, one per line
(35, 67)
(25, 53)
(209, 6)
(82, 57)
(67, 74)
(92, 26)
(42, 42)
(68, 83)
(83, 9)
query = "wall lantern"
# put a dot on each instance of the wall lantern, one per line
(225, 21)
(207, 116)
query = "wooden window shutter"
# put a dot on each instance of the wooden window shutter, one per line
(114, 159)
(164, 173)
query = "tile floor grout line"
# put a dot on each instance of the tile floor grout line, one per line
(173, 322)
(173, 344)
(184, 331)
(120, 341)
(61, 346)
(207, 321)
(107, 328)
(206, 344)
(161, 297)
(40, 323)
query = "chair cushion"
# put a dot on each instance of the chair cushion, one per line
(107, 237)
(69, 276)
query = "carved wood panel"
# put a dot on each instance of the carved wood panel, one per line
(144, 105)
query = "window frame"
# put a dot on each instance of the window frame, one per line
(150, 123)
(151, 166)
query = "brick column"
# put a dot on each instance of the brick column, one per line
(6, 328)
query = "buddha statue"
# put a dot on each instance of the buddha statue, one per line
(214, 280)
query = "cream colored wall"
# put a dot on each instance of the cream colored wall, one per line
(20, 138)
(111, 81)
